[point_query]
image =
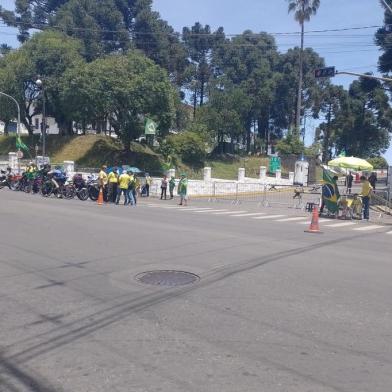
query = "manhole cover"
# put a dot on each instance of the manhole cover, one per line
(167, 278)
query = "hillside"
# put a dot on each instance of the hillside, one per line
(92, 151)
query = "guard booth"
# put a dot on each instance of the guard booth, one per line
(301, 173)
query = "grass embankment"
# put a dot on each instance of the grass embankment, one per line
(89, 151)
(92, 151)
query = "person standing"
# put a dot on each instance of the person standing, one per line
(373, 180)
(164, 187)
(112, 185)
(183, 190)
(123, 184)
(349, 182)
(131, 189)
(366, 193)
(172, 185)
(148, 184)
(103, 177)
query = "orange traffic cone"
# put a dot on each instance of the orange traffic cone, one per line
(100, 197)
(314, 225)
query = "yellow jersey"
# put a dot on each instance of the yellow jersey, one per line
(113, 178)
(103, 178)
(124, 181)
(366, 189)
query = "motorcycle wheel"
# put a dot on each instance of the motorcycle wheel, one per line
(82, 194)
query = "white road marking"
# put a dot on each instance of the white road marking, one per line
(310, 219)
(252, 214)
(368, 228)
(193, 209)
(292, 219)
(228, 212)
(341, 224)
(389, 232)
(201, 212)
(269, 217)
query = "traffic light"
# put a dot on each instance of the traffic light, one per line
(327, 72)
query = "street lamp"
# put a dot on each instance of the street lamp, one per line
(40, 85)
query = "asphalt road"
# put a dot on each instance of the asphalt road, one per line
(275, 310)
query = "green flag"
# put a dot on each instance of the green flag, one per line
(330, 192)
(151, 127)
(20, 145)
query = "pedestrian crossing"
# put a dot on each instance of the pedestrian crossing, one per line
(358, 226)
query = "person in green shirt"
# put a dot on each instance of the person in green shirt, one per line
(183, 190)
(172, 185)
(123, 184)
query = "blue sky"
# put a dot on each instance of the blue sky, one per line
(349, 51)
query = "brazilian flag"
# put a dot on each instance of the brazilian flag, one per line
(20, 145)
(330, 192)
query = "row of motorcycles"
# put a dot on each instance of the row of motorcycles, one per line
(47, 184)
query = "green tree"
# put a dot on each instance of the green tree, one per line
(46, 55)
(199, 41)
(303, 10)
(99, 25)
(363, 124)
(120, 89)
(383, 39)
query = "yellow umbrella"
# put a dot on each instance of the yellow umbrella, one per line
(351, 163)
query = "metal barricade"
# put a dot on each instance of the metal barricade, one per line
(381, 202)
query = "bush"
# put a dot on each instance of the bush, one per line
(378, 162)
(290, 145)
(189, 146)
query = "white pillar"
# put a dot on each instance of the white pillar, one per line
(241, 174)
(291, 177)
(69, 167)
(278, 174)
(263, 172)
(171, 173)
(12, 161)
(207, 174)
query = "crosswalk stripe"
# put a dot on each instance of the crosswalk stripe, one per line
(341, 224)
(268, 217)
(389, 232)
(320, 221)
(228, 212)
(298, 218)
(252, 214)
(203, 211)
(368, 228)
(193, 209)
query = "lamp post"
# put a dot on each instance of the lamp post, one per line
(40, 85)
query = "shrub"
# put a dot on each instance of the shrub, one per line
(190, 146)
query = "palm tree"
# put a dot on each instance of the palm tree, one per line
(303, 10)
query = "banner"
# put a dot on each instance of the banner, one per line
(330, 192)
(151, 127)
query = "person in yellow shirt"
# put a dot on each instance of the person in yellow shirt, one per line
(103, 177)
(366, 192)
(123, 184)
(112, 185)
